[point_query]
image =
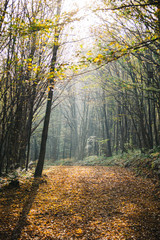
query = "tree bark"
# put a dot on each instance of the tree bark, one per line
(39, 167)
(109, 154)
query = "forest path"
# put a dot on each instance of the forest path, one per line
(81, 203)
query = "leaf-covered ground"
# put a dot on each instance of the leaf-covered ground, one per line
(81, 203)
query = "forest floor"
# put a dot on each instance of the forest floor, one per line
(85, 202)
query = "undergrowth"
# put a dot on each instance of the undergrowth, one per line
(145, 164)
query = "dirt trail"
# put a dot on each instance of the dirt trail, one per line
(82, 203)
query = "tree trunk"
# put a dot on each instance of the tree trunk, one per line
(39, 167)
(109, 154)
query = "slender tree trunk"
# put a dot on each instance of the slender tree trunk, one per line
(155, 124)
(30, 118)
(29, 129)
(39, 168)
(150, 124)
(107, 128)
